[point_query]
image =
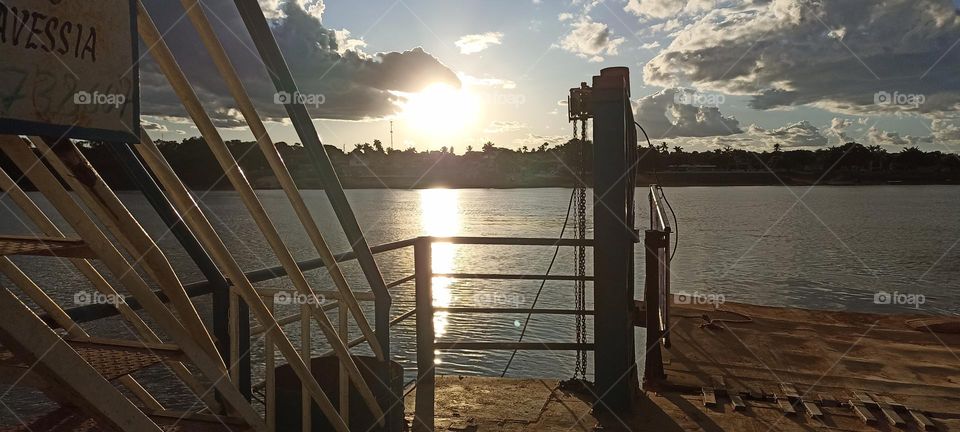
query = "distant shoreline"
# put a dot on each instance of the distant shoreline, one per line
(668, 179)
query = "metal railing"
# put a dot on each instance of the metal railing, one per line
(657, 284)
(424, 309)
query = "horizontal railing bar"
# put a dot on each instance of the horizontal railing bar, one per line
(361, 295)
(523, 346)
(87, 313)
(514, 241)
(499, 276)
(323, 294)
(400, 281)
(512, 310)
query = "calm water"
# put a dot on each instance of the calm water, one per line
(836, 250)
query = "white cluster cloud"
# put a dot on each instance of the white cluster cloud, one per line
(834, 54)
(876, 136)
(474, 43)
(667, 8)
(663, 115)
(591, 40)
(839, 128)
(800, 134)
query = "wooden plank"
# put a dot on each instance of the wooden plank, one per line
(786, 406)
(790, 391)
(738, 403)
(891, 415)
(862, 411)
(865, 399)
(922, 420)
(33, 342)
(827, 400)
(709, 397)
(812, 409)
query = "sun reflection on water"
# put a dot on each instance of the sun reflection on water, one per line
(440, 216)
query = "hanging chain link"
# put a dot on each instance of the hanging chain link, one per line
(580, 200)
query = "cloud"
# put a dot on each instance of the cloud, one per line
(346, 43)
(877, 136)
(651, 45)
(470, 80)
(663, 115)
(800, 134)
(945, 131)
(839, 126)
(834, 54)
(591, 40)
(534, 140)
(666, 8)
(474, 43)
(354, 85)
(499, 126)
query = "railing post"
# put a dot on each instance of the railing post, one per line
(426, 379)
(653, 369)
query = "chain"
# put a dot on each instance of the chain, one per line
(580, 201)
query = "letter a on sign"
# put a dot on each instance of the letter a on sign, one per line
(69, 69)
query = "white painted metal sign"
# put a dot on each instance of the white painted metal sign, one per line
(68, 68)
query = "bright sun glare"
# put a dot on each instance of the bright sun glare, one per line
(441, 111)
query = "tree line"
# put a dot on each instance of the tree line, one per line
(371, 165)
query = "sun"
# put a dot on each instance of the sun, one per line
(441, 111)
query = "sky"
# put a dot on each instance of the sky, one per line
(705, 74)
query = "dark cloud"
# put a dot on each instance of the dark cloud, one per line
(353, 85)
(836, 54)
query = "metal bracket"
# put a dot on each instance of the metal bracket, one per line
(579, 103)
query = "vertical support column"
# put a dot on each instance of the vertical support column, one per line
(426, 372)
(653, 369)
(615, 365)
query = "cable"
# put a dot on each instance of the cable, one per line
(676, 226)
(556, 251)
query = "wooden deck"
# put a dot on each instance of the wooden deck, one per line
(809, 362)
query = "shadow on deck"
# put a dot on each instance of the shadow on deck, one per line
(828, 358)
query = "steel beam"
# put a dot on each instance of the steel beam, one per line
(615, 362)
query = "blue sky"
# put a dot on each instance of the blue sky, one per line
(705, 73)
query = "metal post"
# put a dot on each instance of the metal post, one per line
(219, 285)
(426, 379)
(259, 29)
(615, 365)
(652, 242)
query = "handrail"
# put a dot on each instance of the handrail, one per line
(87, 313)
(658, 219)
